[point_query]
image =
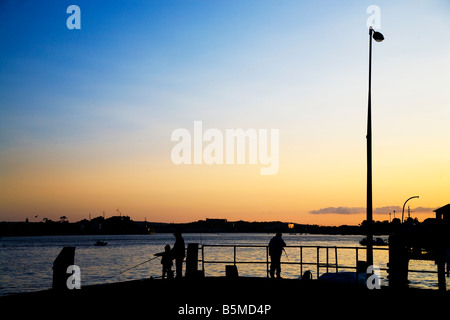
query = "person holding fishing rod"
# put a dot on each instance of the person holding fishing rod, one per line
(167, 262)
(177, 253)
(276, 247)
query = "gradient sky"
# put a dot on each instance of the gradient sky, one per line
(86, 115)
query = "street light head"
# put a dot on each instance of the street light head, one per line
(377, 36)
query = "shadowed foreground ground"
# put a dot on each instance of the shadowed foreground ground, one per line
(162, 299)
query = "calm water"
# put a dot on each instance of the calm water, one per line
(26, 262)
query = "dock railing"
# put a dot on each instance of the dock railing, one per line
(326, 257)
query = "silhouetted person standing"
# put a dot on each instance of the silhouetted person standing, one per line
(179, 254)
(276, 246)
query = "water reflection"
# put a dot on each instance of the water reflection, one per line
(26, 262)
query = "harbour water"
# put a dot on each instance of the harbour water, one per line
(26, 262)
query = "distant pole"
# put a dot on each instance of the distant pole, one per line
(377, 37)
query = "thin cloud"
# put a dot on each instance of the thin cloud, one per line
(423, 209)
(387, 209)
(359, 210)
(339, 210)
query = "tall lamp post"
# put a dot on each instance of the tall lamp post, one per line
(378, 37)
(403, 210)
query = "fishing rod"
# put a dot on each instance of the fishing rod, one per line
(286, 254)
(133, 267)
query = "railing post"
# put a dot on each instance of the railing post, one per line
(203, 259)
(336, 258)
(267, 261)
(234, 259)
(318, 262)
(327, 260)
(301, 260)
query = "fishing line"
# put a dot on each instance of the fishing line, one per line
(132, 267)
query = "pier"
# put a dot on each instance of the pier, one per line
(286, 297)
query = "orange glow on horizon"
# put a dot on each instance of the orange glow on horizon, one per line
(163, 192)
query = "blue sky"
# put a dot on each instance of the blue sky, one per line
(159, 59)
(110, 94)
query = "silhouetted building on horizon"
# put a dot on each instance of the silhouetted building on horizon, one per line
(443, 213)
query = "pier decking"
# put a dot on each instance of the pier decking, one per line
(161, 299)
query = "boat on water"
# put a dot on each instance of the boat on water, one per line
(100, 243)
(375, 242)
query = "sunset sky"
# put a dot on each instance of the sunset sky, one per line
(86, 116)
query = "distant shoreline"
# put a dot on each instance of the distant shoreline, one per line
(121, 225)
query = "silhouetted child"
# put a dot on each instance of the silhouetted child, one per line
(166, 261)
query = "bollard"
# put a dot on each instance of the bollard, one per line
(192, 260)
(64, 259)
(231, 271)
(441, 274)
(398, 262)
